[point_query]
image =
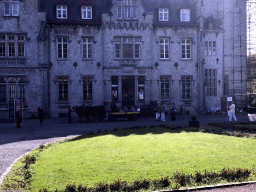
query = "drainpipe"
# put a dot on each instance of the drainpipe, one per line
(48, 72)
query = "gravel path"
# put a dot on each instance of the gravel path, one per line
(14, 142)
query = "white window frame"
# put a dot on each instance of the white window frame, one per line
(186, 89)
(185, 50)
(86, 12)
(63, 89)
(127, 12)
(119, 12)
(211, 82)
(62, 9)
(165, 81)
(11, 10)
(163, 14)
(87, 47)
(164, 45)
(12, 45)
(119, 47)
(13, 88)
(185, 15)
(210, 48)
(62, 43)
(128, 2)
(87, 88)
(127, 9)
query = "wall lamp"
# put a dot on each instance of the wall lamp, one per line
(219, 81)
(217, 60)
(197, 65)
(203, 61)
(156, 64)
(144, 15)
(176, 65)
(98, 65)
(75, 65)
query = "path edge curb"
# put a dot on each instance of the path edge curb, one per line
(19, 158)
(208, 187)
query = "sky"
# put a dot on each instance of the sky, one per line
(251, 32)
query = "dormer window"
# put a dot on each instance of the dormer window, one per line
(61, 11)
(86, 12)
(163, 14)
(185, 15)
(127, 9)
(11, 8)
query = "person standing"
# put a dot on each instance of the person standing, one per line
(181, 112)
(163, 112)
(41, 115)
(172, 112)
(18, 117)
(158, 111)
(232, 111)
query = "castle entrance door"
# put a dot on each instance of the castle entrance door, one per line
(128, 95)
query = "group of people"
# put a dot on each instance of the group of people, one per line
(161, 110)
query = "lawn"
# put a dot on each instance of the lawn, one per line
(136, 154)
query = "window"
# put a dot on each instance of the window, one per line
(2, 89)
(184, 15)
(141, 88)
(11, 8)
(12, 88)
(186, 49)
(165, 87)
(86, 12)
(186, 87)
(87, 48)
(61, 11)
(62, 47)
(87, 88)
(114, 91)
(63, 88)
(163, 14)
(211, 82)
(210, 48)
(127, 47)
(119, 12)
(12, 45)
(127, 9)
(164, 48)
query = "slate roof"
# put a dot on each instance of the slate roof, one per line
(74, 11)
(174, 7)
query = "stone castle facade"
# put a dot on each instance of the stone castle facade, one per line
(73, 52)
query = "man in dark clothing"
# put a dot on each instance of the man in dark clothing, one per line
(181, 112)
(41, 115)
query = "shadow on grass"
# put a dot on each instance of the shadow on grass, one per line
(238, 129)
(139, 130)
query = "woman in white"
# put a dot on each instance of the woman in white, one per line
(232, 111)
(163, 112)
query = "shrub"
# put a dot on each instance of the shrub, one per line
(143, 184)
(118, 185)
(29, 160)
(102, 187)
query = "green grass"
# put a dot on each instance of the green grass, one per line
(136, 154)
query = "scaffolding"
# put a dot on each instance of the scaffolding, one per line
(251, 52)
